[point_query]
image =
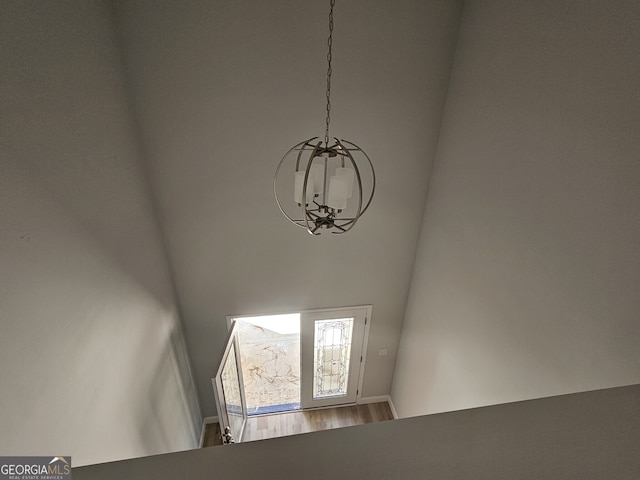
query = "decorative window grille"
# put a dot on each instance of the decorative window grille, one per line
(331, 360)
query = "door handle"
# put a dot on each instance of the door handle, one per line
(227, 438)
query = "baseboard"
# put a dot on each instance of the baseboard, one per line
(378, 399)
(393, 408)
(206, 421)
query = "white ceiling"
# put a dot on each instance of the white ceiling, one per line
(221, 90)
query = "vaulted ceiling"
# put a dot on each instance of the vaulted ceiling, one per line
(221, 90)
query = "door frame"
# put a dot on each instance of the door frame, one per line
(365, 340)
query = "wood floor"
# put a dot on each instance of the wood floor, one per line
(212, 435)
(292, 423)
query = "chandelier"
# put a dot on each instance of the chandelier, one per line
(325, 185)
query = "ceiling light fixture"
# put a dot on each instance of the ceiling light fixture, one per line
(331, 185)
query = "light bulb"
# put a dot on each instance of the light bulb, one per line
(338, 192)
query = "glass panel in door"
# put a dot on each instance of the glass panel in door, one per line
(229, 391)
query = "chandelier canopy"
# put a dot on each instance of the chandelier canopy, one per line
(322, 186)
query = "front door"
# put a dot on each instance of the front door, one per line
(331, 350)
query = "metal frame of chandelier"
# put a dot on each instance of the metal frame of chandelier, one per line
(329, 178)
(332, 184)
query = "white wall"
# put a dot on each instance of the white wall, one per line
(527, 274)
(223, 89)
(92, 362)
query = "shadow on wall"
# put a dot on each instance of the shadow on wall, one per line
(172, 399)
(87, 309)
(69, 133)
(71, 315)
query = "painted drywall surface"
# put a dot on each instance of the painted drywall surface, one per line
(92, 362)
(222, 90)
(587, 435)
(527, 272)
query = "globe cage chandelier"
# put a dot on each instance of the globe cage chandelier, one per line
(337, 181)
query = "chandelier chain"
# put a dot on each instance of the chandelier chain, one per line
(329, 71)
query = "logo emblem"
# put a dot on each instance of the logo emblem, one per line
(35, 468)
